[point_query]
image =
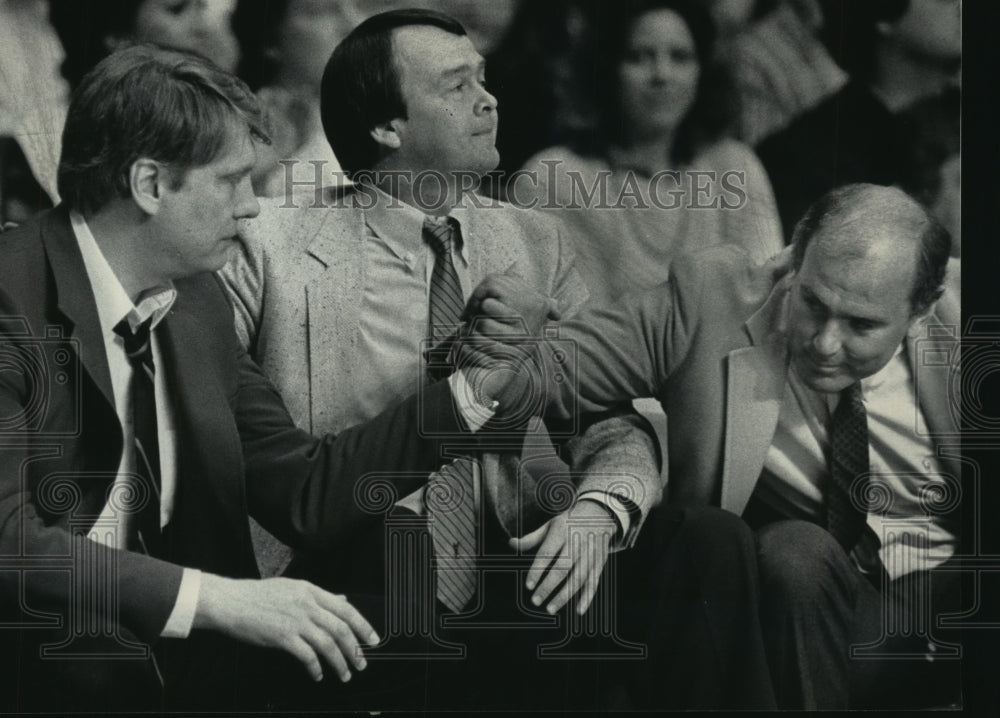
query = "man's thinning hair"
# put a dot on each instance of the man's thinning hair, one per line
(887, 207)
(361, 87)
(147, 101)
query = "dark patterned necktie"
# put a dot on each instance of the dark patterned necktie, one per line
(144, 527)
(449, 495)
(848, 461)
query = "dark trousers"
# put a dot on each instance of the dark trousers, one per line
(816, 605)
(102, 674)
(675, 625)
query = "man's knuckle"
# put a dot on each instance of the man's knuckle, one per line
(342, 632)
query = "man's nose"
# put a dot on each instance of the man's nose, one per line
(247, 207)
(827, 340)
(486, 102)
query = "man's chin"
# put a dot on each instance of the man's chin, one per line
(490, 161)
(828, 385)
(826, 382)
(227, 250)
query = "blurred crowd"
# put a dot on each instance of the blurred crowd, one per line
(755, 105)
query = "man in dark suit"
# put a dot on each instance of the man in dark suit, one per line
(136, 434)
(817, 406)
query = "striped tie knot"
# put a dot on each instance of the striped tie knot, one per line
(440, 235)
(446, 300)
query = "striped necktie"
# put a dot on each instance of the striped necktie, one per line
(450, 492)
(446, 297)
(144, 528)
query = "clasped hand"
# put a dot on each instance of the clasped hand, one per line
(504, 319)
(496, 349)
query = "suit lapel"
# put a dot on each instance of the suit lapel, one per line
(209, 465)
(76, 298)
(755, 387)
(932, 350)
(489, 251)
(333, 305)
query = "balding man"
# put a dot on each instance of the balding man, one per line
(785, 395)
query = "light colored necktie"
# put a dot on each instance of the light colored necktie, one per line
(451, 509)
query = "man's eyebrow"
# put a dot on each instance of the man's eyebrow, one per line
(464, 68)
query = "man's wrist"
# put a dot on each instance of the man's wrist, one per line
(618, 519)
(475, 411)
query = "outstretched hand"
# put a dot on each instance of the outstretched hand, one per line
(504, 305)
(495, 350)
(313, 625)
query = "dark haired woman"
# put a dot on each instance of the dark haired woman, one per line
(654, 176)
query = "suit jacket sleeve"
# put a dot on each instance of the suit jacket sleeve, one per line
(629, 349)
(314, 493)
(615, 451)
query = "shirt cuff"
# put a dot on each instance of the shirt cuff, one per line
(182, 617)
(475, 414)
(617, 508)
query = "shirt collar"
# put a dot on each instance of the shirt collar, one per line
(113, 302)
(875, 381)
(401, 226)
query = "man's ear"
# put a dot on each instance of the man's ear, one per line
(387, 134)
(917, 317)
(147, 179)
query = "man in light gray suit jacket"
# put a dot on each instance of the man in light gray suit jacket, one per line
(814, 396)
(334, 294)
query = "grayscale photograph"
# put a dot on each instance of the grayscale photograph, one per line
(493, 355)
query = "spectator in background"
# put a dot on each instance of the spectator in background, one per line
(90, 30)
(285, 44)
(931, 171)
(731, 17)
(896, 52)
(33, 98)
(657, 153)
(781, 68)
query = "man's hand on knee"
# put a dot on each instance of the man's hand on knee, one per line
(294, 616)
(573, 549)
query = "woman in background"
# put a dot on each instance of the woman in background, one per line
(285, 45)
(33, 98)
(662, 177)
(90, 30)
